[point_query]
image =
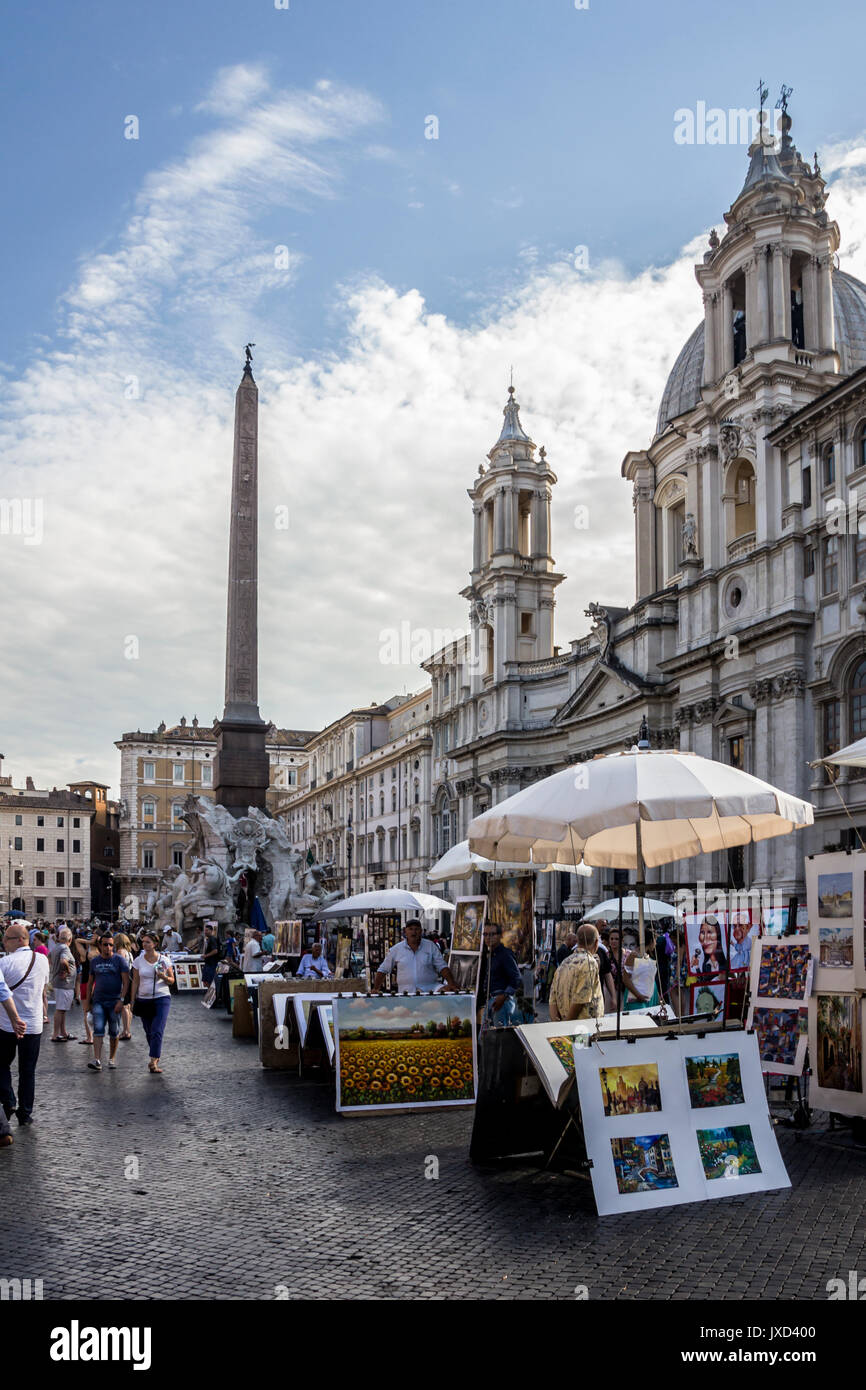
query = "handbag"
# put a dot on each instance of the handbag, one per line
(138, 1009)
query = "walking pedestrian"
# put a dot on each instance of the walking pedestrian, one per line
(19, 1028)
(123, 947)
(210, 954)
(109, 980)
(152, 973)
(25, 973)
(61, 976)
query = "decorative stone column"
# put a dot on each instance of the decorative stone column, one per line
(761, 272)
(825, 300)
(727, 329)
(811, 325)
(710, 316)
(477, 519)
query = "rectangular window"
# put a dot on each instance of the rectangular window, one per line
(829, 465)
(40, 820)
(76, 822)
(147, 858)
(859, 559)
(832, 712)
(19, 843)
(61, 845)
(148, 815)
(19, 820)
(207, 775)
(19, 877)
(807, 488)
(76, 880)
(76, 846)
(178, 774)
(809, 561)
(830, 565)
(108, 852)
(60, 879)
(737, 753)
(60, 907)
(40, 878)
(40, 845)
(292, 777)
(177, 820)
(40, 907)
(177, 858)
(60, 822)
(148, 772)
(76, 907)
(526, 624)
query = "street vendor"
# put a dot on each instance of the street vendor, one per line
(420, 964)
(313, 965)
(500, 978)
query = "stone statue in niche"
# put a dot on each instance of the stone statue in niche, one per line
(690, 535)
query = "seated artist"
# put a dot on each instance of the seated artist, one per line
(500, 980)
(313, 965)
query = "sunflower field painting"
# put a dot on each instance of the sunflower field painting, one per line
(404, 1051)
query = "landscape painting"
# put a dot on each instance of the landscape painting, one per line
(836, 947)
(714, 1080)
(728, 1153)
(643, 1163)
(468, 924)
(630, 1090)
(784, 971)
(509, 904)
(835, 895)
(839, 1061)
(404, 1051)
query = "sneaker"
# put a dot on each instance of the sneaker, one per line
(112, 1064)
(23, 1119)
(95, 1066)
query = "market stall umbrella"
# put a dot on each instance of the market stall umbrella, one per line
(627, 810)
(385, 900)
(459, 862)
(852, 756)
(631, 908)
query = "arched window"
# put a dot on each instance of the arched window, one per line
(416, 791)
(858, 702)
(744, 499)
(393, 798)
(381, 803)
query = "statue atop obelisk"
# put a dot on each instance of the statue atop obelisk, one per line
(241, 771)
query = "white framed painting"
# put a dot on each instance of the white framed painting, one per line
(676, 1118)
(782, 1037)
(836, 1030)
(303, 1005)
(464, 966)
(835, 885)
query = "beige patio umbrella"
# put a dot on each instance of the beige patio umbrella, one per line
(459, 862)
(631, 809)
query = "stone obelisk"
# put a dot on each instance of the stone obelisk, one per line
(241, 773)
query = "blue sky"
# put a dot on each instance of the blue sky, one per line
(416, 272)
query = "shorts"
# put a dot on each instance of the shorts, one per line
(104, 1013)
(64, 998)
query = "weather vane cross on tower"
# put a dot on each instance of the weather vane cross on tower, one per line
(782, 103)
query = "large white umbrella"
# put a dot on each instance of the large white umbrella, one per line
(625, 810)
(631, 908)
(459, 862)
(385, 900)
(852, 756)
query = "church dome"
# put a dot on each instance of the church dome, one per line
(683, 388)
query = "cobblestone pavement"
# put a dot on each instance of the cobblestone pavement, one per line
(250, 1186)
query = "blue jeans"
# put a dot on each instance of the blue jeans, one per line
(153, 1020)
(28, 1055)
(103, 1012)
(504, 1016)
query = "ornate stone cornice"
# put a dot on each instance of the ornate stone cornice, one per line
(778, 687)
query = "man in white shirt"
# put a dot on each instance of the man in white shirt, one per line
(172, 940)
(420, 964)
(313, 965)
(251, 961)
(25, 973)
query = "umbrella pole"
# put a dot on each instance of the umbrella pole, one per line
(619, 974)
(640, 874)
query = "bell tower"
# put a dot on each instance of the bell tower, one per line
(513, 581)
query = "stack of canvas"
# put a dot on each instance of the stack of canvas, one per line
(676, 1119)
(551, 1045)
(836, 888)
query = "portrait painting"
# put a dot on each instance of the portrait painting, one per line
(714, 1080)
(643, 1163)
(630, 1090)
(468, 924)
(728, 1153)
(510, 906)
(707, 944)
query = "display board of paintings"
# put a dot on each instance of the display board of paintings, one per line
(674, 1119)
(836, 890)
(719, 942)
(288, 938)
(383, 930)
(551, 1045)
(188, 975)
(510, 905)
(404, 1051)
(781, 982)
(303, 1005)
(343, 966)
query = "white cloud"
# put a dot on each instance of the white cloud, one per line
(372, 449)
(234, 88)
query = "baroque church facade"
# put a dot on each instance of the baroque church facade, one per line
(747, 638)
